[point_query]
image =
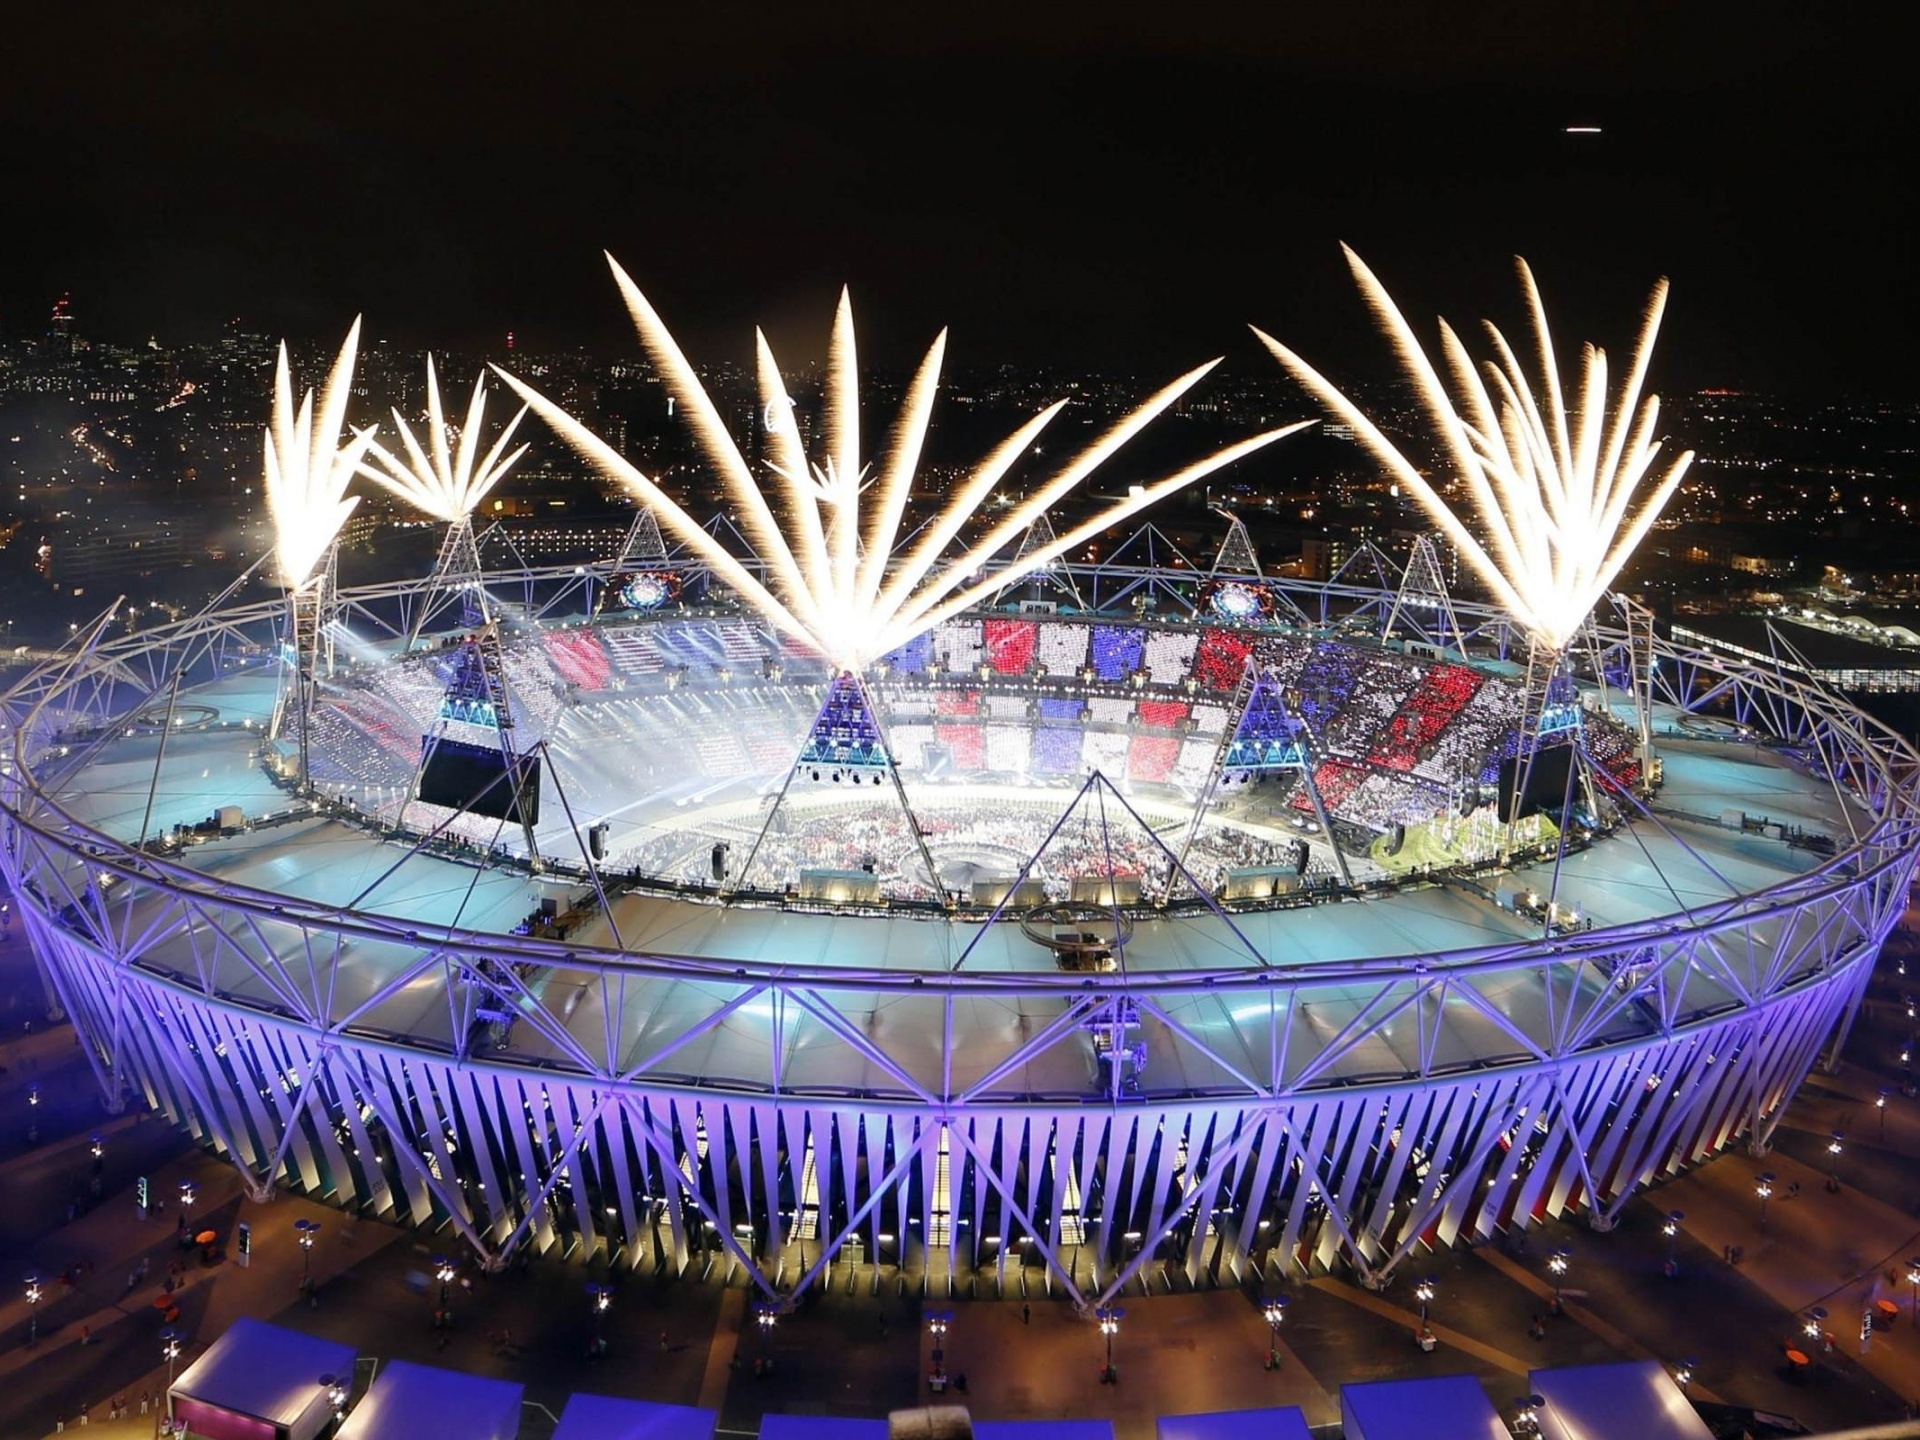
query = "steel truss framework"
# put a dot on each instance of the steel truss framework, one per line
(1661, 1041)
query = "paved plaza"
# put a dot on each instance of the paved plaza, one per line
(865, 1347)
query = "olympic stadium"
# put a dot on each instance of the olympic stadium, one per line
(1110, 926)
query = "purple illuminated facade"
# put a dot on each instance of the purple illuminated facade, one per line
(1353, 1065)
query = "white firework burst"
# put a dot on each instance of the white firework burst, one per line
(446, 481)
(1552, 485)
(834, 580)
(308, 468)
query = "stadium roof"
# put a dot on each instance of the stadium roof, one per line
(1829, 653)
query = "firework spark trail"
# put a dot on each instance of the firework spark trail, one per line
(446, 484)
(834, 582)
(1550, 484)
(308, 469)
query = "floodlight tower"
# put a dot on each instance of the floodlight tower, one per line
(308, 468)
(1551, 479)
(447, 478)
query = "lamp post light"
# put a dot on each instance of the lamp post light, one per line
(33, 1309)
(1671, 1229)
(937, 1324)
(1913, 1284)
(1423, 1292)
(1683, 1374)
(305, 1231)
(1527, 1422)
(187, 1192)
(1880, 1104)
(336, 1391)
(1275, 1311)
(602, 1298)
(170, 1348)
(1763, 1187)
(1109, 1317)
(1557, 1264)
(1814, 1327)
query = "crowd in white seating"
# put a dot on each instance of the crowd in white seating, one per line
(1401, 732)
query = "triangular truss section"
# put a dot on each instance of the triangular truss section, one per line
(457, 579)
(311, 611)
(845, 749)
(1266, 738)
(1268, 735)
(1039, 535)
(493, 779)
(1551, 718)
(643, 548)
(1422, 601)
(1099, 863)
(1236, 555)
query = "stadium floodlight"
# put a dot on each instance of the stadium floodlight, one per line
(445, 481)
(308, 468)
(1551, 484)
(834, 581)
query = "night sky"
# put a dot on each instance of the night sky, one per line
(1101, 187)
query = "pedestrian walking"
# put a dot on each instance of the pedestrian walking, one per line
(145, 1400)
(86, 1334)
(119, 1407)
(59, 1422)
(1026, 1313)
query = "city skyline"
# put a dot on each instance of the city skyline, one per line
(1020, 173)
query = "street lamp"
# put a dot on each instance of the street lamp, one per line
(937, 1324)
(1880, 1104)
(602, 1298)
(767, 1316)
(33, 1309)
(336, 1389)
(306, 1230)
(1423, 1292)
(1671, 1229)
(1815, 1324)
(1557, 1265)
(1913, 1284)
(1683, 1374)
(187, 1192)
(1527, 1422)
(170, 1348)
(1275, 1311)
(1109, 1317)
(1763, 1187)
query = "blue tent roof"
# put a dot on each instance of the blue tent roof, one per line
(264, 1371)
(404, 1396)
(602, 1417)
(1279, 1422)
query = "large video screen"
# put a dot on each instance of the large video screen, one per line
(477, 779)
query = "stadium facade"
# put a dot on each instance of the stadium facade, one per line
(1128, 986)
